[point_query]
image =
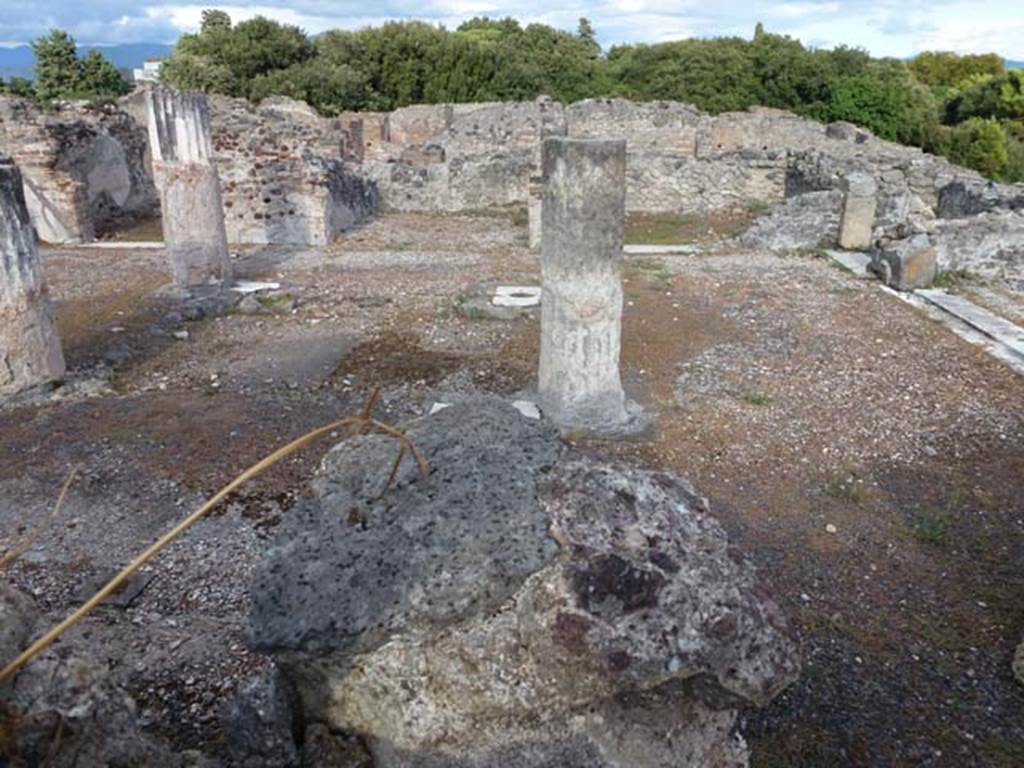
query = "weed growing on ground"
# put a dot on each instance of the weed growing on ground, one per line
(847, 490)
(931, 526)
(953, 279)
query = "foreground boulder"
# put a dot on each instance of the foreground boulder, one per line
(65, 709)
(525, 606)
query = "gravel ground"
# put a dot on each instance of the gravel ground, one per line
(867, 459)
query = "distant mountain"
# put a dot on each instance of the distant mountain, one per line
(1014, 64)
(18, 61)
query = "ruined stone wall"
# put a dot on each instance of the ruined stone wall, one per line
(84, 169)
(282, 177)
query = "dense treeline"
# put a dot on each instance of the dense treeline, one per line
(968, 108)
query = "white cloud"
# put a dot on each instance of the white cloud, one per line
(801, 10)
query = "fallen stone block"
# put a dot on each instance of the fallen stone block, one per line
(858, 217)
(526, 606)
(906, 264)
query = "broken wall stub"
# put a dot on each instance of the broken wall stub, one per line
(193, 216)
(858, 218)
(283, 179)
(30, 352)
(579, 385)
(84, 167)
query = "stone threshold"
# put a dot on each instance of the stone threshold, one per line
(968, 331)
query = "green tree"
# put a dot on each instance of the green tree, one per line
(1001, 97)
(99, 78)
(194, 72)
(215, 21)
(886, 100)
(588, 37)
(945, 68)
(980, 144)
(19, 86)
(227, 59)
(58, 71)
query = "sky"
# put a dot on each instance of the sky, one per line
(885, 28)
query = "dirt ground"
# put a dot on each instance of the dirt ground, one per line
(868, 460)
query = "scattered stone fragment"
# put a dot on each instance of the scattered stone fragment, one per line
(906, 264)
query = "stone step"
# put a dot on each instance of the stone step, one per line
(855, 261)
(639, 250)
(988, 323)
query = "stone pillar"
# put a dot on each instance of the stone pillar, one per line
(534, 203)
(581, 314)
(183, 169)
(858, 217)
(30, 351)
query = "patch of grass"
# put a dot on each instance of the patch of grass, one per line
(931, 526)
(661, 229)
(1004, 753)
(757, 207)
(952, 279)
(847, 490)
(471, 312)
(401, 245)
(648, 264)
(757, 398)
(664, 275)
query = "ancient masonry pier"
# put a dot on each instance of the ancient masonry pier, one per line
(858, 218)
(583, 214)
(30, 352)
(185, 175)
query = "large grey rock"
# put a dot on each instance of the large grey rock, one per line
(906, 264)
(30, 352)
(18, 615)
(260, 723)
(806, 221)
(521, 608)
(71, 713)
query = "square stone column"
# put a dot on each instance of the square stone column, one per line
(581, 308)
(185, 175)
(30, 352)
(858, 218)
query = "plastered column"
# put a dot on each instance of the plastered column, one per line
(185, 175)
(581, 319)
(30, 352)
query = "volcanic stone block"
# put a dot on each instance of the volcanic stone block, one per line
(858, 218)
(583, 214)
(30, 352)
(906, 264)
(525, 606)
(185, 175)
